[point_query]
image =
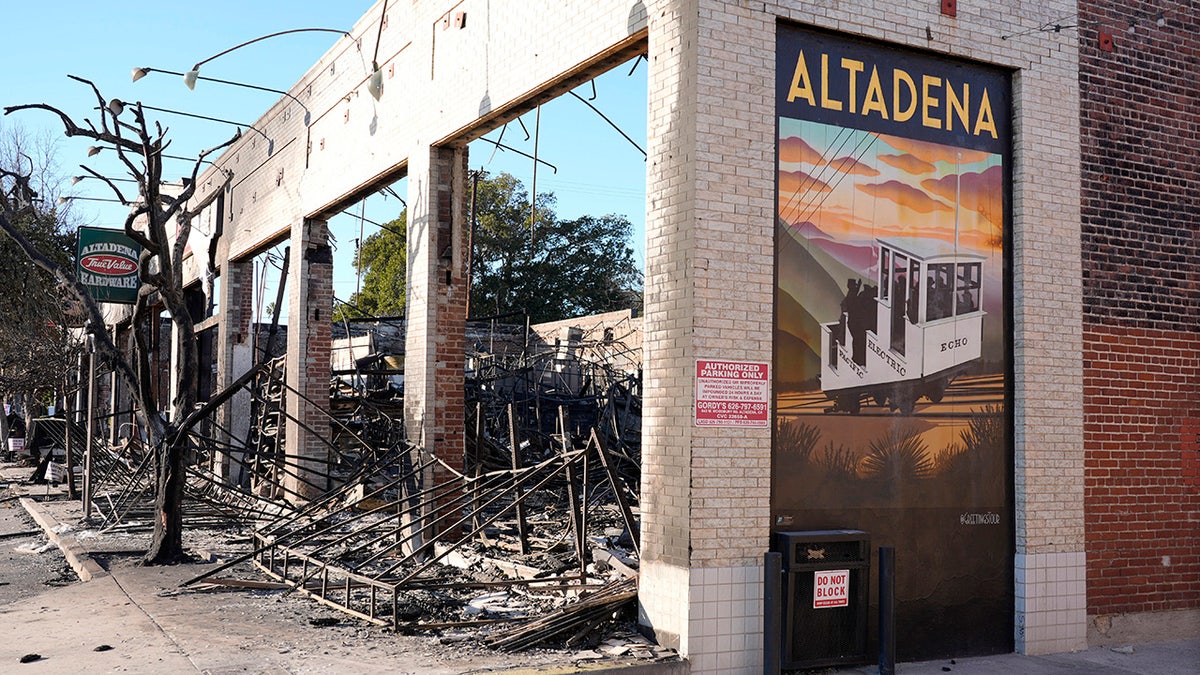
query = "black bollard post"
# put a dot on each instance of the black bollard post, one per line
(772, 612)
(887, 610)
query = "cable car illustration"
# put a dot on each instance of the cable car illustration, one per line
(911, 334)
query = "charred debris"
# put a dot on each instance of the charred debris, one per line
(529, 538)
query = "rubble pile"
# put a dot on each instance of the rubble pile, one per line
(533, 529)
(529, 535)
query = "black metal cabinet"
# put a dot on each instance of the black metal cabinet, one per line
(825, 597)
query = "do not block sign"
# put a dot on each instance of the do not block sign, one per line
(831, 588)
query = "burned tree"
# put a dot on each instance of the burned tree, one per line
(160, 221)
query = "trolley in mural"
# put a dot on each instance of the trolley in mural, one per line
(911, 334)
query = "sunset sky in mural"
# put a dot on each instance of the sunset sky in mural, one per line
(856, 185)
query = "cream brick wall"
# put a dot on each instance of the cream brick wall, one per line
(709, 243)
(725, 91)
(437, 82)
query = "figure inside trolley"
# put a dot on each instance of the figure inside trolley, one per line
(908, 335)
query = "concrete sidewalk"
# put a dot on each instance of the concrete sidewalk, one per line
(1163, 658)
(142, 622)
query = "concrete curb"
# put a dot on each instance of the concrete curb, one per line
(76, 555)
(674, 667)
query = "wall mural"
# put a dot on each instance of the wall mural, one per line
(891, 325)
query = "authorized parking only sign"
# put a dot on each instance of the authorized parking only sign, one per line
(732, 393)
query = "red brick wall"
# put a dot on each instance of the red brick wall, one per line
(451, 323)
(1140, 133)
(1142, 496)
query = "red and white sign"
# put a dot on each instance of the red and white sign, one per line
(831, 588)
(732, 393)
(108, 264)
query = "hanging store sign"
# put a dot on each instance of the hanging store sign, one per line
(107, 264)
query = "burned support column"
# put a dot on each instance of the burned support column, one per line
(310, 304)
(436, 308)
(234, 357)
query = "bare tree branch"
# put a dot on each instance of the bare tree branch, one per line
(161, 285)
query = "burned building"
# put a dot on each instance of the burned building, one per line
(972, 167)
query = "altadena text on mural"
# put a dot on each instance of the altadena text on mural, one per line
(933, 101)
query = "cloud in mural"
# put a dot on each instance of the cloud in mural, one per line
(832, 222)
(934, 152)
(904, 195)
(793, 182)
(843, 226)
(796, 150)
(981, 192)
(796, 210)
(853, 166)
(908, 164)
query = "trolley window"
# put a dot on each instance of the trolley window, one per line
(914, 291)
(885, 274)
(939, 291)
(967, 288)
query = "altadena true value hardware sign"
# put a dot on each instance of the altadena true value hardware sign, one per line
(107, 264)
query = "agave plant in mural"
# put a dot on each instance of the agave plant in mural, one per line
(898, 456)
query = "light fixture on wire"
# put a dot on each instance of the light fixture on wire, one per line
(75, 180)
(72, 198)
(375, 82)
(191, 76)
(142, 71)
(94, 150)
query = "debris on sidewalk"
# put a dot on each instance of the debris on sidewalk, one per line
(1125, 649)
(528, 536)
(35, 549)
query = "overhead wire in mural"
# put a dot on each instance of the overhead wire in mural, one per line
(860, 150)
(806, 186)
(818, 177)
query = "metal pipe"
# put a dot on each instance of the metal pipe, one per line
(88, 437)
(887, 610)
(772, 612)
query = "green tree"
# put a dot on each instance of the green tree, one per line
(381, 260)
(557, 269)
(36, 348)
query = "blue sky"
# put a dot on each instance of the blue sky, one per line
(599, 172)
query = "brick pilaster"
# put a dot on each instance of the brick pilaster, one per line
(310, 305)
(436, 305)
